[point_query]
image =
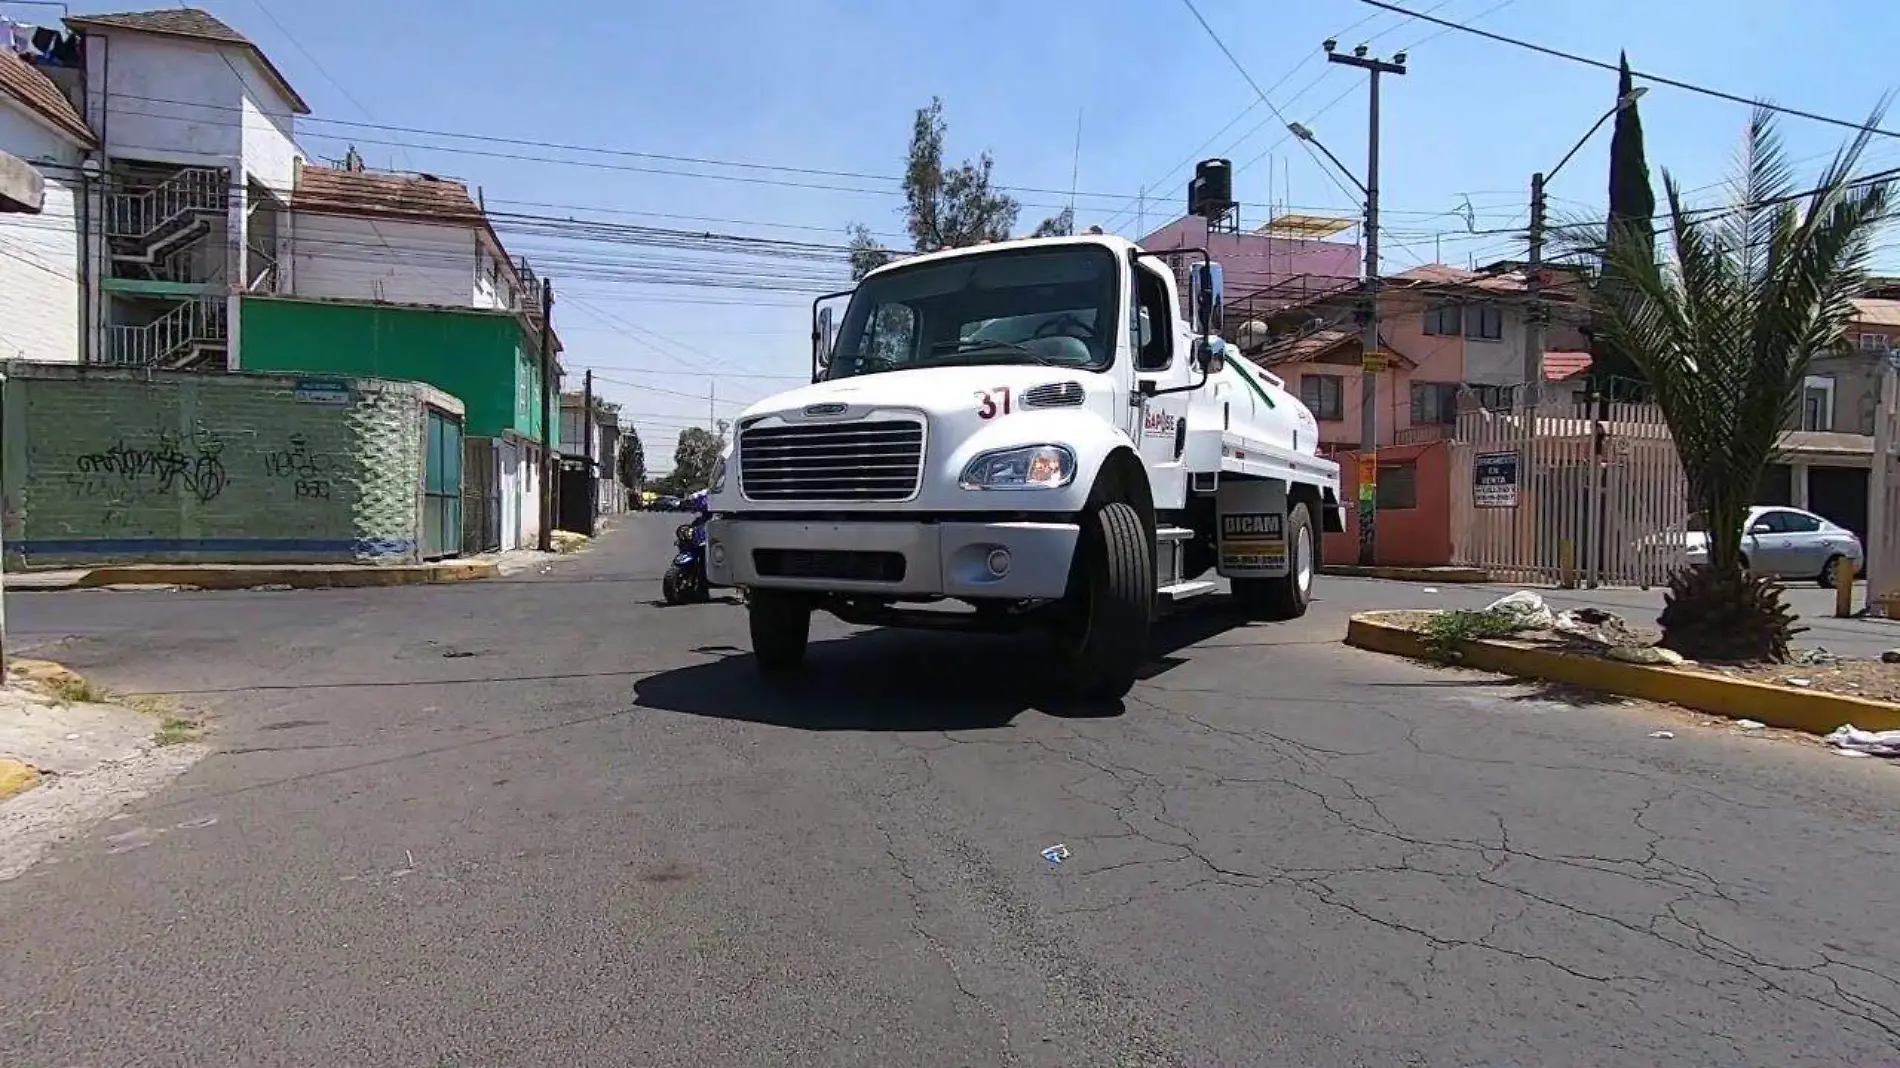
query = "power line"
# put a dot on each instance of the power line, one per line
(1262, 93)
(1657, 78)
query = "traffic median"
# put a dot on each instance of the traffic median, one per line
(1818, 693)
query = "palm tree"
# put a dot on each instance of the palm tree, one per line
(1723, 327)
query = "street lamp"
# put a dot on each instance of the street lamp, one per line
(1533, 285)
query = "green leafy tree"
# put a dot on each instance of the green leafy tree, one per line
(693, 458)
(945, 207)
(1632, 209)
(1722, 327)
(632, 461)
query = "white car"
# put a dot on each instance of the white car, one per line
(1787, 543)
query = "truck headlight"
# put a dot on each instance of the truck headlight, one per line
(1025, 467)
(718, 484)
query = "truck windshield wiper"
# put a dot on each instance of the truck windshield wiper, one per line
(980, 346)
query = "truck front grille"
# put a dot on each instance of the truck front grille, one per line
(859, 461)
(854, 565)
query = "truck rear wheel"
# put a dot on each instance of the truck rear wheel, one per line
(1287, 597)
(1112, 595)
(781, 628)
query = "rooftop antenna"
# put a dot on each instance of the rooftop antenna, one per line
(1075, 167)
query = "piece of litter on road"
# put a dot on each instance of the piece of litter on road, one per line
(1056, 854)
(1800, 682)
(1750, 725)
(1662, 734)
(1430, 589)
(1850, 739)
(410, 857)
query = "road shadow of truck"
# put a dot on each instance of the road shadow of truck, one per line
(901, 680)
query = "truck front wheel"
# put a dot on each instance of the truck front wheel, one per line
(781, 628)
(1111, 600)
(1287, 597)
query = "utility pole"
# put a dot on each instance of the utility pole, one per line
(549, 469)
(712, 405)
(1372, 360)
(1533, 288)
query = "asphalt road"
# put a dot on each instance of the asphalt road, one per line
(541, 821)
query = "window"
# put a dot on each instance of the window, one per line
(1154, 346)
(1443, 319)
(1060, 303)
(1484, 322)
(1325, 395)
(1873, 342)
(1398, 486)
(1434, 403)
(1785, 522)
(1817, 403)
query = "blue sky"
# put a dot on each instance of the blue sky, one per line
(830, 85)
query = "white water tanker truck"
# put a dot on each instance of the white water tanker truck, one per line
(1037, 429)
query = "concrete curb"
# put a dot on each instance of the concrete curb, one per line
(1719, 695)
(1449, 576)
(307, 577)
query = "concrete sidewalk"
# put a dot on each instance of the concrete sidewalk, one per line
(275, 576)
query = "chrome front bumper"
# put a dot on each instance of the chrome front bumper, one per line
(948, 559)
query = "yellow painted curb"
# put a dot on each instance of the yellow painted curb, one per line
(1449, 576)
(1776, 706)
(16, 778)
(238, 577)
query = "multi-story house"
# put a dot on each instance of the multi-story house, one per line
(1828, 449)
(598, 437)
(1449, 337)
(184, 229)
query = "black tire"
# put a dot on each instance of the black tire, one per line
(1288, 597)
(1112, 588)
(670, 586)
(781, 628)
(1830, 572)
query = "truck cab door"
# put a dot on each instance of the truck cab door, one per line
(1160, 355)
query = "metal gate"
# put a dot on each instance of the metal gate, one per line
(441, 487)
(574, 502)
(1566, 491)
(481, 496)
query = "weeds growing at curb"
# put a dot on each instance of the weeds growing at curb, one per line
(73, 690)
(175, 731)
(1444, 632)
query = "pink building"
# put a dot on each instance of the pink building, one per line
(1262, 271)
(1444, 331)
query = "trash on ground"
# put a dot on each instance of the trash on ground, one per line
(1645, 654)
(1851, 739)
(1750, 725)
(1817, 655)
(1056, 854)
(1430, 589)
(1662, 734)
(1525, 609)
(1891, 656)
(1803, 683)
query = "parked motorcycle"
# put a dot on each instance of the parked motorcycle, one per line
(685, 580)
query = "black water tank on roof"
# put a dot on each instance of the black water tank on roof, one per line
(1211, 193)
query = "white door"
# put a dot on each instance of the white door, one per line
(1161, 356)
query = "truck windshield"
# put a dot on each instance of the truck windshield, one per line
(1053, 306)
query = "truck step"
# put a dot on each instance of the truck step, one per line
(1173, 534)
(1181, 591)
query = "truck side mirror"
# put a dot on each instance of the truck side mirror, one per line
(1206, 286)
(1210, 354)
(822, 335)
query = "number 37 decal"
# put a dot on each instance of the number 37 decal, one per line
(991, 403)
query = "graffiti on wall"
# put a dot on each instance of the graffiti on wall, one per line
(168, 464)
(309, 470)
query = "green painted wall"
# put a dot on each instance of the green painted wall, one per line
(116, 466)
(483, 357)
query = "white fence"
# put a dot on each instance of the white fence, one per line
(1567, 493)
(1883, 504)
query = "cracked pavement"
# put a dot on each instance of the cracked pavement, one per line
(542, 821)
